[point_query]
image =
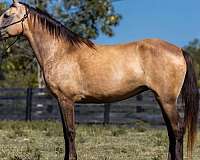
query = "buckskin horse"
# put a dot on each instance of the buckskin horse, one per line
(77, 70)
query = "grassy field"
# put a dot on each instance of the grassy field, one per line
(44, 141)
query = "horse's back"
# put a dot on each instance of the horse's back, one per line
(158, 44)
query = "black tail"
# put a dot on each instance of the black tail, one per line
(190, 97)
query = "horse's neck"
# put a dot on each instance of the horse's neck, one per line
(46, 48)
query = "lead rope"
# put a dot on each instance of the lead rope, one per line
(3, 55)
(10, 45)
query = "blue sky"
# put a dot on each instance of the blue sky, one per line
(177, 21)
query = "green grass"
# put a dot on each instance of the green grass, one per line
(42, 140)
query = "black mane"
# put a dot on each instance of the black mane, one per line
(55, 28)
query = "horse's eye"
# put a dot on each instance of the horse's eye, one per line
(5, 15)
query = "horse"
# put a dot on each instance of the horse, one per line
(77, 70)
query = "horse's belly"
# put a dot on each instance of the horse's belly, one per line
(112, 96)
(110, 90)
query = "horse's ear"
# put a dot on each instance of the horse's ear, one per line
(15, 1)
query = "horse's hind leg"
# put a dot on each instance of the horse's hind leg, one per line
(175, 127)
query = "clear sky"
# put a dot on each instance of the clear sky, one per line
(177, 21)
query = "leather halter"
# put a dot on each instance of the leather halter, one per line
(21, 20)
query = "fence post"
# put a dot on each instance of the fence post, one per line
(28, 104)
(106, 113)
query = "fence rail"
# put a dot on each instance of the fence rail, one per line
(36, 104)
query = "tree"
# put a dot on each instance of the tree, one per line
(87, 18)
(194, 49)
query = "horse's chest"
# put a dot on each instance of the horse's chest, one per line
(50, 74)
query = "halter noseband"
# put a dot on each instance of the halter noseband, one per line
(21, 20)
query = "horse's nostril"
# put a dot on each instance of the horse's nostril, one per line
(5, 16)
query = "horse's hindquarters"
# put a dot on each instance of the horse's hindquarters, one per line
(164, 68)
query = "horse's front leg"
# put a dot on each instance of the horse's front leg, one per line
(68, 122)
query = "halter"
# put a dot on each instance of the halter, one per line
(22, 22)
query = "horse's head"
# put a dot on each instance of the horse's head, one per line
(12, 20)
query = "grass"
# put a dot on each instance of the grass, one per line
(42, 140)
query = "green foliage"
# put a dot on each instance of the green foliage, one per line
(85, 17)
(2, 7)
(88, 17)
(18, 65)
(194, 49)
